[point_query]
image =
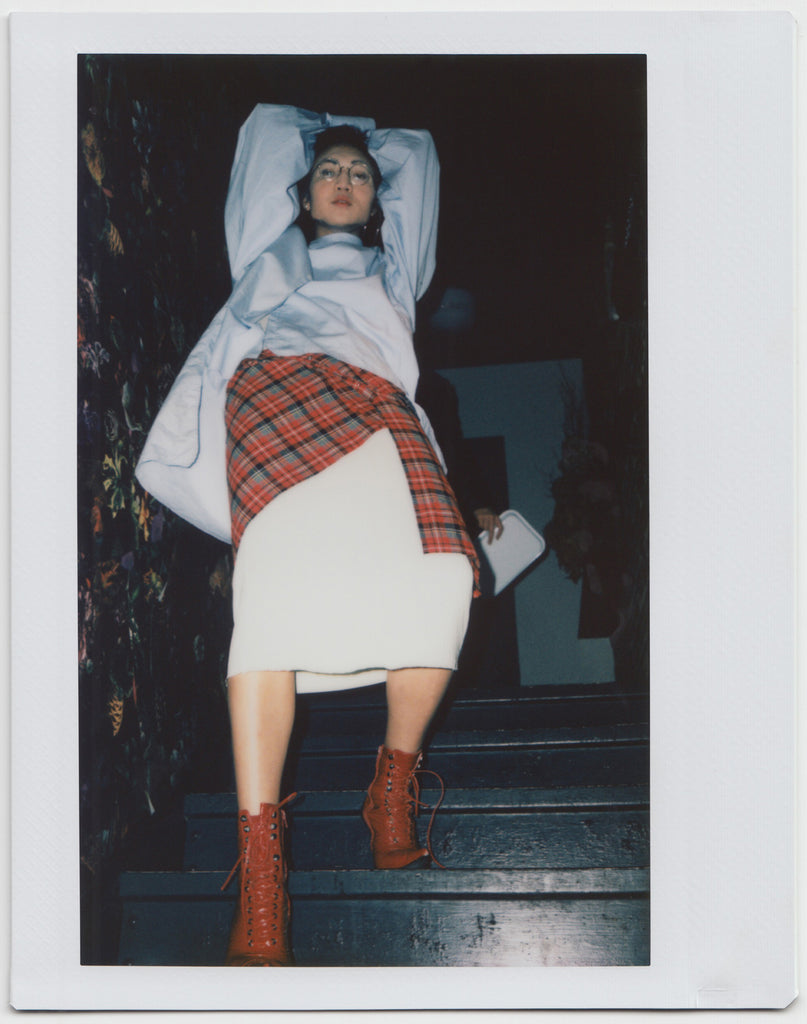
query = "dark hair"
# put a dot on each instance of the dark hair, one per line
(342, 135)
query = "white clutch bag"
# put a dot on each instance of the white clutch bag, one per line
(509, 555)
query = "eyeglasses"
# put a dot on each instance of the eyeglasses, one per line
(358, 174)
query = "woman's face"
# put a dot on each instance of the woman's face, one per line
(341, 194)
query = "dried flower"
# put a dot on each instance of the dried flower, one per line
(221, 577)
(113, 239)
(144, 517)
(155, 587)
(96, 519)
(108, 571)
(115, 708)
(92, 154)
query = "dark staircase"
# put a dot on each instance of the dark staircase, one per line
(543, 831)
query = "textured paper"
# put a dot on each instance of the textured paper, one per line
(721, 298)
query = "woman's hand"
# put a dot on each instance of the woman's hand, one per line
(488, 520)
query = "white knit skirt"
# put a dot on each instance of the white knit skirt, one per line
(331, 580)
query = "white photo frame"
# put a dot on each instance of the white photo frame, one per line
(722, 330)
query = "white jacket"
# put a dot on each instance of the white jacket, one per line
(336, 296)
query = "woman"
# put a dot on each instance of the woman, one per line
(352, 565)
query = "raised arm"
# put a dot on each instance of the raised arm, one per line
(409, 196)
(274, 150)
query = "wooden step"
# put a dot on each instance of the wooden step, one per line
(563, 693)
(326, 713)
(544, 829)
(393, 918)
(467, 833)
(429, 882)
(334, 801)
(485, 739)
(519, 765)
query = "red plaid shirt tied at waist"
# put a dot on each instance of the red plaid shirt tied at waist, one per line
(289, 417)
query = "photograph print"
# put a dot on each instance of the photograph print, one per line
(362, 436)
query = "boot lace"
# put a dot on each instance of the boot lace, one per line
(406, 798)
(262, 893)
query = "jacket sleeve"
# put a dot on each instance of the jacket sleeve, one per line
(409, 196)
(183, 462)
(274, 150)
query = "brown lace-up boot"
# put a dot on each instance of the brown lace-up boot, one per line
(390, 808)
(259, 933)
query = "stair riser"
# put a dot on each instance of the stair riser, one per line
(440, 933)
(171, 886)
(613, 765)
(554, 786)
(523, 714)
(345, 802)
(485, 740)
(462, 841)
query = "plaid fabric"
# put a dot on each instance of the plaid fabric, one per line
(290, 417)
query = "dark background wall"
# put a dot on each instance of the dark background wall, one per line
(536, 153)
(543, 180)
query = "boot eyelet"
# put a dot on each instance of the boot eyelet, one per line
(260, 923)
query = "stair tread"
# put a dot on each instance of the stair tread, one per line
(490, 713)
(607, 764)
(469, 840)
(157, 885)
(551, 930)
(520, 799)
(491, 739)
(590, 693)
(546, 809)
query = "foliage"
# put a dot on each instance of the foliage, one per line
(585, 525)
(600, 523)
(153, 604)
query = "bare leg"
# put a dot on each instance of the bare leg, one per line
(413, 696)
(261, 719)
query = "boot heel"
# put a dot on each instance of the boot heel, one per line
(390, 808)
